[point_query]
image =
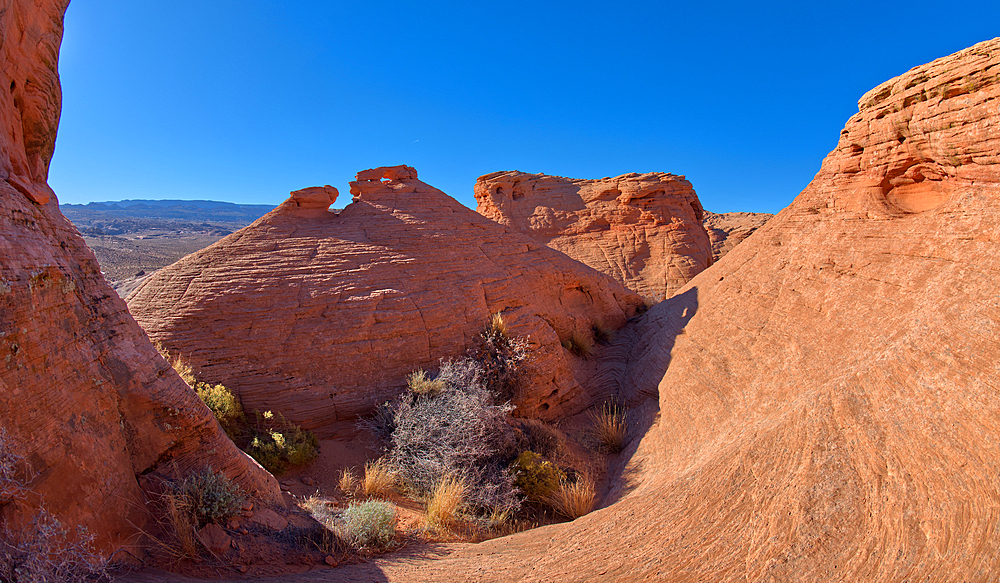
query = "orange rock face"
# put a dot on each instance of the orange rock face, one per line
(727, 230)
(827, 397)
(321, 315)
(85, 397)
(645, 230)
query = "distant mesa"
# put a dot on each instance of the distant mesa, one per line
(349, 303)
(645, 230)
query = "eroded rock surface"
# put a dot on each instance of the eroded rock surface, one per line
(645, 230)
(321, 315)
(85, 397)
(727, 230)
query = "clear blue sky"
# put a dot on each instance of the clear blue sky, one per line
(245, 100)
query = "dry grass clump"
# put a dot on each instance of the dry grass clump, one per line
(579, 344)
(348, 482)
(573, 500)
(447, 500)
(602, 334)
(420, 384)
(182, 522)
(379, 479)
(610, 428)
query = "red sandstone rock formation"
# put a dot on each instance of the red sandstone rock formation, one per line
(84, 395)
(321, 315)
(645, 230)
(727, 230)
(828, 405)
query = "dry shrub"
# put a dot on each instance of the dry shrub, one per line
(379, 478)
(446, 501)
(573, 500)
(610, 428)
(348, 482)
(458, 432)
(602, 334)
(278, 444)
(210, 495)
(43, 550)
(501, 358)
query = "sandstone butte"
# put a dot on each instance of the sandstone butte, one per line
(321, 315)
(84, 397)
(727, 230)
(645, 230)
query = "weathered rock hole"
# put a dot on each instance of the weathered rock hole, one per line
(13, 84)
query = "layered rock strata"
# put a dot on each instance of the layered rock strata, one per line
(727, 230)
(86, 399)
(321, 315)
(645, 230)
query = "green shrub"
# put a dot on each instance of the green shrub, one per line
(370, 524)
(212, 496)
(277, 444)
(536, 477)
(224, 405)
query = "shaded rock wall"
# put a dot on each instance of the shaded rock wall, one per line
(645, 230)
(85, 396)
(321, 315)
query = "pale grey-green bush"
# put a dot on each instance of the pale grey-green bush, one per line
(370, 524)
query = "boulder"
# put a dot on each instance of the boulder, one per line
(321, 315)
(645, 230)
(86, 399)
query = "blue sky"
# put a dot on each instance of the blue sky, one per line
(244, 101)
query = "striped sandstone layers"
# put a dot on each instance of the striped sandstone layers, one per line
(321, 315)
(645, 230)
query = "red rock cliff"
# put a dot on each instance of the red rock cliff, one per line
(645, 230)
(85, 396)
(321, 315)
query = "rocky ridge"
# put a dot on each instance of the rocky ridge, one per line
(645, 230)
(349, 303)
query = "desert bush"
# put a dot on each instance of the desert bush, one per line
(379, 478)
(573, 500)
(211, 495)
(456, 432)
(539, 437)
(180, 517)
(277, 444)
(537, 478)
(610, 428)
(370, 524)
(579, 344)
(347, 482)
(43, 550)
(224, 405)
(446, 501)
(501, 358)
